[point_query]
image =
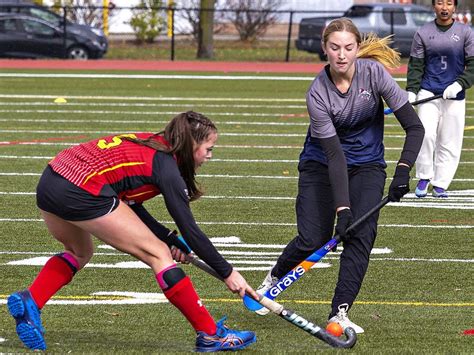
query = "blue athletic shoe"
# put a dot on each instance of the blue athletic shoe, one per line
(422, 188)
(27, 315)
(225, 339)
(439, 192)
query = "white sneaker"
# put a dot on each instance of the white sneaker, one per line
(268, 282)
(342, 319)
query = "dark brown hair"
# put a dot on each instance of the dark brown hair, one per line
(182, 133)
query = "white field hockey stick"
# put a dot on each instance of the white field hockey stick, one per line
(299, 270)
(289, 315)
(388, 111)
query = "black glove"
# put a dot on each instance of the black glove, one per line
(344, 220)
(400, 184)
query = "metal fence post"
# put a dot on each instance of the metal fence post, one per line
(288, 43)
(64, 31)
(172, 33)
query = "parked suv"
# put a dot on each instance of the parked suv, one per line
(30, 9)
(30, 37)
(383, 19)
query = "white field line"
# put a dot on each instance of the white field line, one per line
(154, 113)
(158, 98)
(141, 104)
(225, 146)
(162, 76)
(109, 132)
(128, 113)
(259, 161)
(246, 253)
(154, 122)
(276, 224)
(219, 123)
(258, 256)
(154, 98)
(241, 134)
(251, 263)
(458, 195)
(132, 122)
(463, 202)
(224, 176)
(156, 76)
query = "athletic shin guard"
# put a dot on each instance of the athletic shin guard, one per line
(180, 291)
(56, 273)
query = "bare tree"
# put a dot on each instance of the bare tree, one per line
(205, 34)
(190, 14)
(252, 18)
(87, 12)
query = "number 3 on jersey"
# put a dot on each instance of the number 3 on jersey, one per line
(103, 144)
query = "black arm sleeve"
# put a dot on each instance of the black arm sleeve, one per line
(337, 169)
(416, 69)
(173, 189)
(414, 130)
(156, 227)
(467, 77)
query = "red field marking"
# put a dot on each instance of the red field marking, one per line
(192, 66)
(469, 332)
(439, 221)
(55, 139)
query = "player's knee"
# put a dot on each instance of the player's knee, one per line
(307, 244)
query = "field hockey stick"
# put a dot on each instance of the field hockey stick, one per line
(300, 269)
(289, 315)
(388, 111)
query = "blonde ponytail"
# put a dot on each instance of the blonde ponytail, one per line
(379, 49)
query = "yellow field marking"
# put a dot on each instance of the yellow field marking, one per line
(387, 303)
(88, 298)
(309, 302)
(396, 303)
(469, 128)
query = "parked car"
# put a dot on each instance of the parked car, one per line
(30, 37)
(28, 8)
(383, 19)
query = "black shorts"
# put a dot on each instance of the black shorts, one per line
(59, 196)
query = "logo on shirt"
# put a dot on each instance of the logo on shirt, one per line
(365, 94)
(455, 37)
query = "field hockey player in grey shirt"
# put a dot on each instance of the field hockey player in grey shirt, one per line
(342, 167)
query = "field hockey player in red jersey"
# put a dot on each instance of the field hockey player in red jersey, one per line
(98, 188)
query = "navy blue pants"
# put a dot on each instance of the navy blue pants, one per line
(315, 213)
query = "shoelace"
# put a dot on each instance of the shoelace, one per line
(342, 313)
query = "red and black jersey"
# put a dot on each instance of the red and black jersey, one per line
(113, 166)
(111, 162)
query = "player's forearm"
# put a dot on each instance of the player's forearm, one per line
(415, 132)
(337, 170)
(416, 68)
(466, 79)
